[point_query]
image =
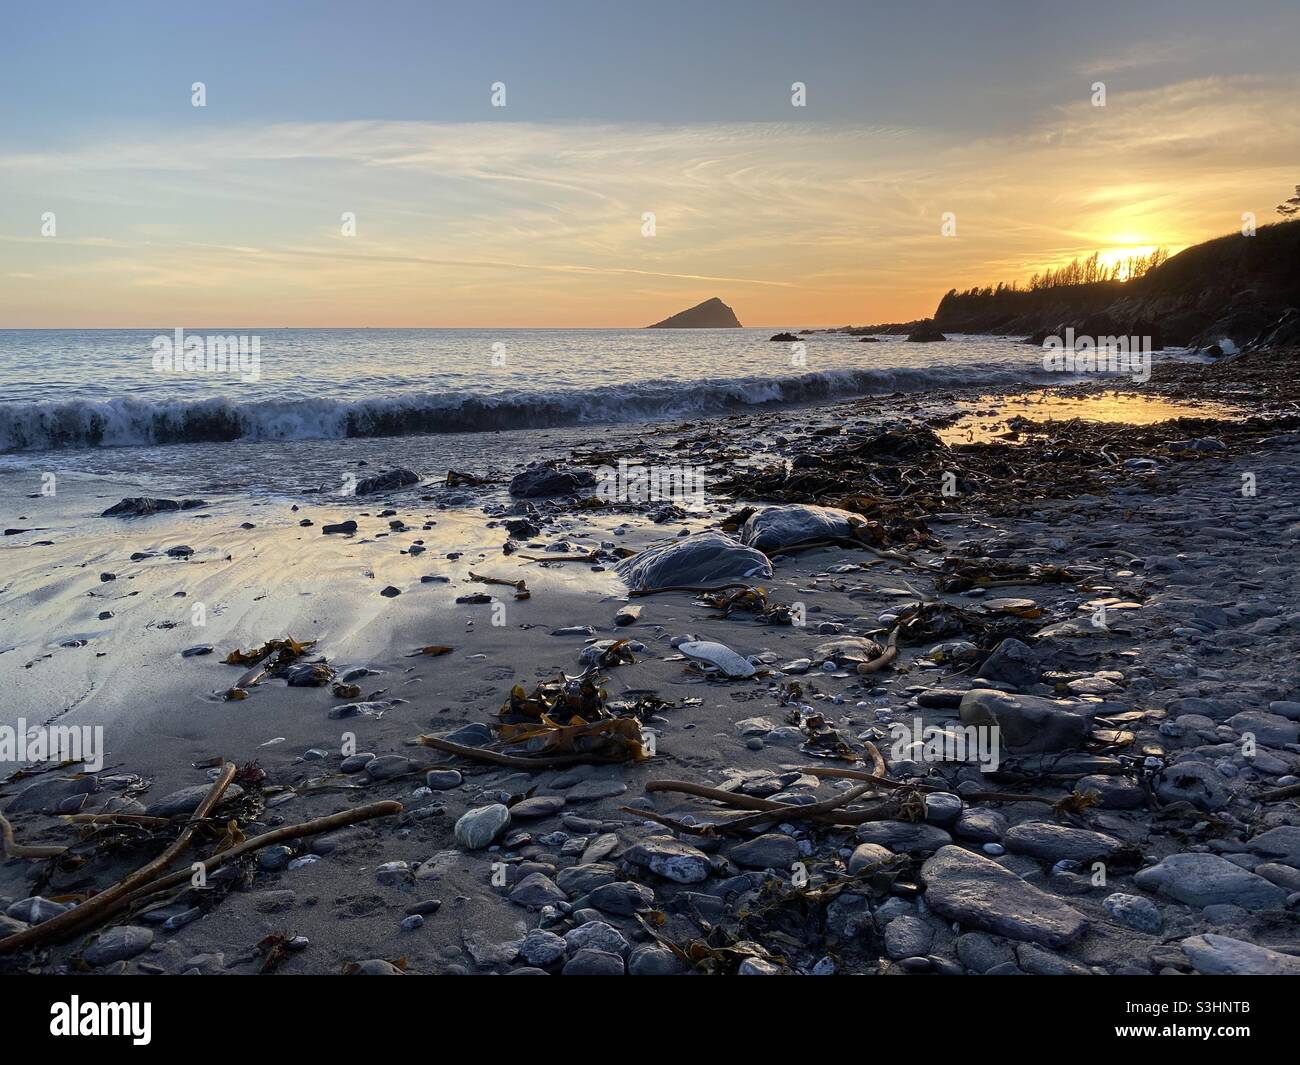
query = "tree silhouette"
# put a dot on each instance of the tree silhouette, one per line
(1289, 208)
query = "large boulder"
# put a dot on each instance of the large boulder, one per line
(1027, 724)
(979, 893)
(387, 482)
(550, 481)
(703, 559)
(774, 528)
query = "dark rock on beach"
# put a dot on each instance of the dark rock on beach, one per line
(142, 506)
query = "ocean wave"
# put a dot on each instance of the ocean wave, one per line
(133, 422)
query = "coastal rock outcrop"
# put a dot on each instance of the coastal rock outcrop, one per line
(711, 314)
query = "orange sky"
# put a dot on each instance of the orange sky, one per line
(528, 224)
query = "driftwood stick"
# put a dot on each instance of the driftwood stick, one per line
(386, 808)
(118, 819)
(13, 849)
(1291, 791)
(97, 908)
(794, 813)
(514, 761)
(883, 812)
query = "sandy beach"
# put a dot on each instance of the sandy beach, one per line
(1139, 616)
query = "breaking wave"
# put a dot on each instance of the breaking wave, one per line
(139, 422)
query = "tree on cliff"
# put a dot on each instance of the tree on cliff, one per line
(1289, 208)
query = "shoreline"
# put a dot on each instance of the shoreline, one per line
(1173, 654)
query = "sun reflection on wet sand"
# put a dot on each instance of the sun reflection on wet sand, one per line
(986, 419)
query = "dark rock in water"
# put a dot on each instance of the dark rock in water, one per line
(198, 650)
(711, 314)
(705, 558)
(784, 338)
(773, 528)
(1013, 662)
(347, 527)
(869, 340)
(180, 551)
(387, 482)
(1027, 723)
(979, 893)
(142, 506)
(390, 592)
(550, 481)
(1285, 332)
(521, 529)
(926, 332)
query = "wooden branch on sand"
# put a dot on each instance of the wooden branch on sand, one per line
(127, 892)
(513, 761)
(13, 849)
(883, 812)
(97, 908)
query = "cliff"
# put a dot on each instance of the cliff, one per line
(1232, 287)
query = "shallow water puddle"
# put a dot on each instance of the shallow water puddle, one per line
(987, 418)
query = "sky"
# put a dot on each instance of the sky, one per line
(124, 205)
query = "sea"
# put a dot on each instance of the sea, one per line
(238, 404)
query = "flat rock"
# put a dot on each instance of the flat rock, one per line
(1207, 880)
(903, 837)
(1215, 955)
(1053, 843)
(979, 893)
